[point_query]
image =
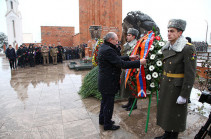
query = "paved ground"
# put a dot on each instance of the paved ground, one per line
(42, 103)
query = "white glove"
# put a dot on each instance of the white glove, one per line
(181, 100)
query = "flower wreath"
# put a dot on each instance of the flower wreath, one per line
(153, 69)
(95, 53)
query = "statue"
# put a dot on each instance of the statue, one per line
(140, 21)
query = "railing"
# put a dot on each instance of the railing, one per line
(202, 57)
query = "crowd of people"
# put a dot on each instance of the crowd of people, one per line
(201, 46)
(42, 54)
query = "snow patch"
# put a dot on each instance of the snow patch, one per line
(196, 106)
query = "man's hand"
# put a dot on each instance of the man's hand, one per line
(143, 61)
(134, 57)
(181, 100)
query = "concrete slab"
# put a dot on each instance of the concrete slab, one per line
(42, 102)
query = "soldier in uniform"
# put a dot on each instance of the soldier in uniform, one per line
(80, 51)
(125, 92)
(179, 65)
(45, 54)
(60, 54)
(53, 52)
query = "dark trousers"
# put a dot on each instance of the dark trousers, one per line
(106, 109)
(12, 63)
(21, 61)
(31, 60)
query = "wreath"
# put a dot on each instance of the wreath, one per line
(95, 53)
(153, 69)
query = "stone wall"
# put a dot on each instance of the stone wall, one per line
(55, 34)
(106, 13)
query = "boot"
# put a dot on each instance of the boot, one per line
(131, 104)
(166, 135)
(128, 103)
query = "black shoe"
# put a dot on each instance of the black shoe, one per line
(166, 135)
(135, 106)
(102, 123)
(113, 127)
(189, 100)
(128, 103)
(129, 108)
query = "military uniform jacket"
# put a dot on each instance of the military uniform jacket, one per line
(110, 64)
(45, 51)
(170, 115)
(125, 92)
(128, 46)
(53, 51)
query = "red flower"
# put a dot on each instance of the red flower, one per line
(157, 38)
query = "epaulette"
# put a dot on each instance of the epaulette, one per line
(189, 43)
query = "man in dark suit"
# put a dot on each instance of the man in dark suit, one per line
(11, 55)
(110, 64)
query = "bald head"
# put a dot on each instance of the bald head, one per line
(111, 37)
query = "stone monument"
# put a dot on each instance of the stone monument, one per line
(95, 32)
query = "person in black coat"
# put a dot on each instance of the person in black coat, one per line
(31, 54)
(20, 55)
(11, 55)
(110, 64)
(61, 51)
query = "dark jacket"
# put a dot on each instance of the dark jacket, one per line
(10, 53)
(110, 65)
(20, 52)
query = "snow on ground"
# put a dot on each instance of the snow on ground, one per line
(195, 105)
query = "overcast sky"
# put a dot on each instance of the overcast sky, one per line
(36, 13)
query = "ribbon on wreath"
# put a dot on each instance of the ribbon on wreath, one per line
(145, 44)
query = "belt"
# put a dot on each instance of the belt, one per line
(173, 75)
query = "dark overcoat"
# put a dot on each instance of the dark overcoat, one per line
(10, 53)
(172, 116)
(110, 64)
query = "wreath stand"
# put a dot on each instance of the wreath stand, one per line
(148, 113)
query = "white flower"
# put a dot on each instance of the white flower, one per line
(148, 92)
(148, 77)
(161, 43)
(159, 52)
(151, 68)
(152, 57)
(128, 53)
(159, 63)
(152, 85)
(154, 74)
(151, 48)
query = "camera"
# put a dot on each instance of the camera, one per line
(206, 129)
(205, 97)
